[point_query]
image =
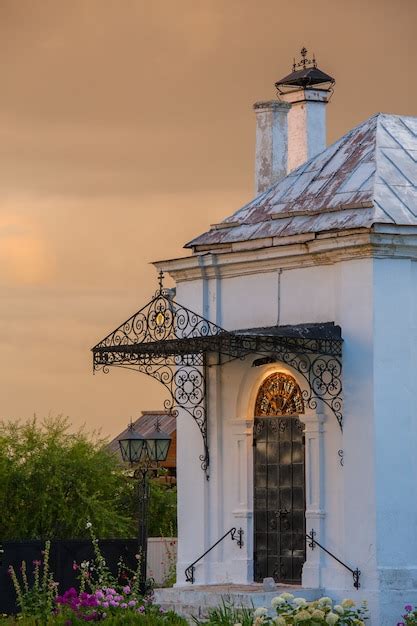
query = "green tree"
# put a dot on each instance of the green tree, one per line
(52, 481)
(162, 510)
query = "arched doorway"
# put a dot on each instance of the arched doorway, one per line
(279, 481)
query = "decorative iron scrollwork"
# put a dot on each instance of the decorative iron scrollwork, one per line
(169, 342)
(140, 344)
(323, 377)
(283, 425)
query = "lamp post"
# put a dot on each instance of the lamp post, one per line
(144, 454)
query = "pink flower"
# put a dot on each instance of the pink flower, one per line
(132, 602)
(408, 608)
(126, 589)
(74, 566)
(105, 604)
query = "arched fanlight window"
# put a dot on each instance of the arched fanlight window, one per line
(279, 395)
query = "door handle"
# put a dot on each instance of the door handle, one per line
(282, 512)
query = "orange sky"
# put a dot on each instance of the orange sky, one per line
(126, 128)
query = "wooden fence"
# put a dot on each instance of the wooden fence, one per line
(162, 556)
(63, 555)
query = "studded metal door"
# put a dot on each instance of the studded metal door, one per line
(279, 499)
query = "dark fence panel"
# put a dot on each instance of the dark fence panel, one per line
(62, 557)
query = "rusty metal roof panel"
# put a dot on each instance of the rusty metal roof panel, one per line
(145, 425)
(373, 165)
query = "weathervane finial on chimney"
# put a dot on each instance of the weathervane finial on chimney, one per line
(304, 62)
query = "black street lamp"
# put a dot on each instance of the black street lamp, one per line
(144, 453)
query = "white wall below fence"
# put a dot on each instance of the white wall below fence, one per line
(162, 557)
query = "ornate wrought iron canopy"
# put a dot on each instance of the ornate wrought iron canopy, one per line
(169, 342)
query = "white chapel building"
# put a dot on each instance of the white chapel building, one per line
(289, 351)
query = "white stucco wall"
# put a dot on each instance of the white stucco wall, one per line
(395, 410)
(368, 507)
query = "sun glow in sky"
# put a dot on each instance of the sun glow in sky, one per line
(126, 129)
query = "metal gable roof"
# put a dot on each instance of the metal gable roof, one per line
(368, 176)
(145, 424)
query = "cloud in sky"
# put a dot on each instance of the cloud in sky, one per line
(125, 130)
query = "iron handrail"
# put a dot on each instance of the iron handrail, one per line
(235, 535)
(356, 573)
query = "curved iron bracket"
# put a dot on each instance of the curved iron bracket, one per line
(150, 342)
(186, 384)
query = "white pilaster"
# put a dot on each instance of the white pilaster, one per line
(315, 513)
(242, 435)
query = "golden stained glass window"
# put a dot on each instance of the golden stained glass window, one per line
(279, 395)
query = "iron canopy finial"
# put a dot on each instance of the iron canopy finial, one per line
(161, 281)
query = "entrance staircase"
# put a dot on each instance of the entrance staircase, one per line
(196, 600)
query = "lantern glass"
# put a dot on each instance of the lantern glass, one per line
(132, 446)
(157, 445)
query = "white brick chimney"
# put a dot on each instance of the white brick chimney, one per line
(291, 130)
(271, 153)
(306, 124)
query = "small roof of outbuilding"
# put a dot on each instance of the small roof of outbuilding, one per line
(368, 176)
(145, 424)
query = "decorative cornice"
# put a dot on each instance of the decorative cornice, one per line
(383, 241)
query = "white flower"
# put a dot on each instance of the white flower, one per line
(287, 596)
(280, 621)
(325, 601)
(338, 609)
(88, 525)
(332, 618)
(277, 601)
(347, 603)
(299, 601)
(261, 612)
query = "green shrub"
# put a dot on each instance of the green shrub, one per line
(53, 480)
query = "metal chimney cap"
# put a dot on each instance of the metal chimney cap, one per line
(304, 74)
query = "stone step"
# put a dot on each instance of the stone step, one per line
(196, 600)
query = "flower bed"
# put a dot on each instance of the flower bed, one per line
(101, 595)
(410, 616)
(289, 610)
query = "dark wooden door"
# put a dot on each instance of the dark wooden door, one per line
(279, 499)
